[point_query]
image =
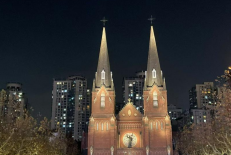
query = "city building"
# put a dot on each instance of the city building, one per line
(13, 102)
(200, 116)
(174, 112)
(133, 89)
(129, 132)
(71, 105)
(201, 96)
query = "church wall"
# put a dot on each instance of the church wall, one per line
(161, 110)
(158, 138)
(109, 102)
(157, 134)
(102, 136)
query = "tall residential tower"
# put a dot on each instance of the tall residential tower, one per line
(132, 88)
(70, 105)
(13, 102)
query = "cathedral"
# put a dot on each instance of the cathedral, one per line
(130, 132)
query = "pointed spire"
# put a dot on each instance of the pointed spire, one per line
(103, 74)
(153, 67)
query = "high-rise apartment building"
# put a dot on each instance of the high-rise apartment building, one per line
(200, 115)
(133, 89)
(13, 101)
(200, 97)
(70, 105)
(174, 112)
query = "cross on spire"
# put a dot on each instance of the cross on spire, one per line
(104, 21)
(151, 19)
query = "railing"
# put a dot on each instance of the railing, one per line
(130, 126)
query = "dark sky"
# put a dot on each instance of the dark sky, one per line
(44, 39)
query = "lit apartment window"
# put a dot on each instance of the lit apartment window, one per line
(102, 100)
(162, 126)
(97, 126)
(107, 126)
(151, 125)
(156, 125)
(102, 126)
(155, 100)
(153, 73)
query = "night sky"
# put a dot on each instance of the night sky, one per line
(42, 39)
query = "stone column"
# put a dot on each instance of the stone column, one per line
(169, 150)
(91, 150)
(112, 150)
(147, 150)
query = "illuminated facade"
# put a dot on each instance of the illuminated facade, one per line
(70, 105)
(13, 101)
(130, 132)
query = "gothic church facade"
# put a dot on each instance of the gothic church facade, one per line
(130, 132)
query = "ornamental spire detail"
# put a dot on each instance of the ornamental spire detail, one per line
(103, 74)
(153, 75)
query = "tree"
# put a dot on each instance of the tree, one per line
(25, 137)
(214, 137)
(72, 146)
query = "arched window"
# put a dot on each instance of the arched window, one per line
(102, 126)
(162, 126)
(107, 125)
(151, 125)
(156, 125)
(97, 126)
(153, 73)
(102, 100)
(155, 99)
(103, 75)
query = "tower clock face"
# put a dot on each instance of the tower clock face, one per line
(129, 140)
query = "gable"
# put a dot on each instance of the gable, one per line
(129, 113)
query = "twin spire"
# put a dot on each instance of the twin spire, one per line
(103, 74)
(153, 75)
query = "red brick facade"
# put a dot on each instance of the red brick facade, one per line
(129, 133)
(152, 131)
